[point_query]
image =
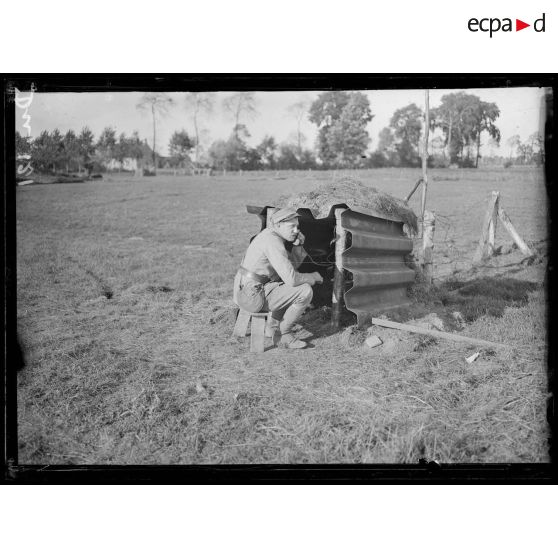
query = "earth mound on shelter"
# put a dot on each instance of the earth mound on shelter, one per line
(354, 194)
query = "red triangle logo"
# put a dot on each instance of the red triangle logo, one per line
(519, 25)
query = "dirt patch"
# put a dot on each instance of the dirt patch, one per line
(351, 192)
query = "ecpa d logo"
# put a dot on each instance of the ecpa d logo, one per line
(492, 25)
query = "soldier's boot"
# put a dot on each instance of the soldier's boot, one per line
(287, 341)
(283, 336)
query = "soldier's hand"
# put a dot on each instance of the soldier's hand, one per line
(317, 278)
(300, 238)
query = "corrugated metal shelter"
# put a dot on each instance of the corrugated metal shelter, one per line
(375, 275)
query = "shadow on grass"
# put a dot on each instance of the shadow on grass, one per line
(485, 296)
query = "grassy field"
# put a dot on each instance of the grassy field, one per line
(125, 315)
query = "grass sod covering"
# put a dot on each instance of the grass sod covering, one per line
(353, 192)
(152, 375)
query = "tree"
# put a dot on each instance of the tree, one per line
(41, 151)
(106, 146)
(47, 151)
(289, 158)
(486, 115)
(237, 150)
(341, 118)
(22, 144)
(218, 155)
(324, 111)
(513, 143)
(240, 105)
(86, 148)
(406, 124)
(232, 154)
(71, 150)
(525, 152)
(158, 104)
(180, 146)
(57, 156)
(267, 152)
(137, 150)
(199, 103)
(386, 154)
(298, 111)
(463, 118)
(121, 149)
(537, 148)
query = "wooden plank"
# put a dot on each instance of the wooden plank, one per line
(241, 324)
(257, 338)
(514, 234)
(338, 274)
(491, 209)
(436, 333)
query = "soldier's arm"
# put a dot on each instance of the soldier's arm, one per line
(297, 256)
(279, 260)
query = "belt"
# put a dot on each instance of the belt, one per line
(254, 276)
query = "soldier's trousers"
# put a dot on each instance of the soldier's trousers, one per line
(286, 304)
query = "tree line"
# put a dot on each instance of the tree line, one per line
(458, 124)
(54, 152)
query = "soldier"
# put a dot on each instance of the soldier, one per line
(267, 280)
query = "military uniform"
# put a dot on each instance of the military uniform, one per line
(269, 268)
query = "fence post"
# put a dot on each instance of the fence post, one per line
(429, 224)
(514, 234)
(425, 157)
(483, 249)
(492, 224)
(338, 274)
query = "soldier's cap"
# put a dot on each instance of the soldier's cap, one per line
(285, 214)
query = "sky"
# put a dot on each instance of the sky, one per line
(520, 113)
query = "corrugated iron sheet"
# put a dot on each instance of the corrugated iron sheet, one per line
(374, 261)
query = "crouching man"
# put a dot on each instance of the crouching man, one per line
(267, 280)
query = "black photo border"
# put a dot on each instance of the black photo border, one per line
(421, 473)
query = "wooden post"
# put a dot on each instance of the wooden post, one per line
(492, 225)
(241, 325)
(484, 242)
(338, 276)
(425, 155)
(514, 234)
(429, 223)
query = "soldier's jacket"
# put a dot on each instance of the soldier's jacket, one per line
(268, 256)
